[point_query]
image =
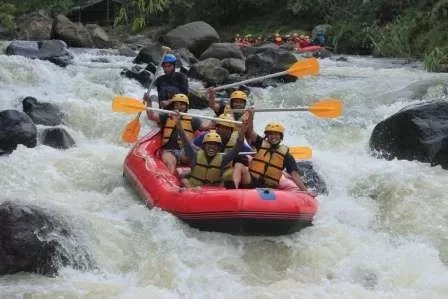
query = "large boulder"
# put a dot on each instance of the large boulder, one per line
(36, 26)
(196, 37)
(418, 132)
(209, 70)
(142, 75)
(38, 241)
(16, 128)
(234, 65)
(151, 53)
(57, 137)
(222, 51)
(6, 33)
(75, 35)
(52, 50)
(100, 37)
(271, 61)
(42, 113)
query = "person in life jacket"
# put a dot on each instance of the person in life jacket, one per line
(171, 150)
(207, 164)
(170, 83)
(278, 39)
(229, 135)
(319, 39)
(271, 158)
(238, 100)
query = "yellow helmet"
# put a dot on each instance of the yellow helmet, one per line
(275, 126)
(212, 136)
(225, 123)
(180, 97)
(238, 94)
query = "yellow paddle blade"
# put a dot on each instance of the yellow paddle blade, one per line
(304, 67)
(131, 131)
(127, 105)
(301, 152)
(328, 108)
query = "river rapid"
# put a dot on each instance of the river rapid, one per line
(381, 232)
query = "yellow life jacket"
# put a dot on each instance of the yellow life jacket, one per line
(227, 172)
(204, 172)
(267, 165)
(170, 125)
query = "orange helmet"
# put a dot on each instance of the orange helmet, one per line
(212, 136)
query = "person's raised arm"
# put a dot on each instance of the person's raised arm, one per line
(230, 155)
(154, 116)
(211, 92)
(189, 148)
(248, 118)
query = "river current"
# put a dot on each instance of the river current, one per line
(381, 232)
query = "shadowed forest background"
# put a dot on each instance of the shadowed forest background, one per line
(413, 29)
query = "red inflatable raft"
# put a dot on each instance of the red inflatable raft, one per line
(242, 211)
(309, 49)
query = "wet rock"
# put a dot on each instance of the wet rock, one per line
(417, 132)
(75, 35)
(125, 50)
(222, 51)
(38, 241)
(209, 70)
(195, 36)
(52, 50)
(57, 137)
(151, 53)
(138, 73)
(271, 61)
(99, 36)
(234, 65)
(311, 178)
(35, 26)
(16, 128)
(42, 113)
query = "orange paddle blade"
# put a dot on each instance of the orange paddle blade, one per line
(328, 108)
(304, 67)
(301, 152)
(127, 105)
(131, 131)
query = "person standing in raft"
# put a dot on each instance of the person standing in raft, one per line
(226, 130)
(271, 158)
(207, 165)
(238, 100)
(170, 83)
(171, 144)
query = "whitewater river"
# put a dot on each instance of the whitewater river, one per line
(382, 232)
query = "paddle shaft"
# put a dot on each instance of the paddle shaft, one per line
(251, 80)
(273, 109)
(194, 115)
(153, 81)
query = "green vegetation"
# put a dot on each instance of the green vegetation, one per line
(412, 29)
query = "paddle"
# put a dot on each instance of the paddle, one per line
(328, 108)
(303, 67)
(129, 105)
(298, 152)
(132, 129)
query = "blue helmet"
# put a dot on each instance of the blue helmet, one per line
(169, 58)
